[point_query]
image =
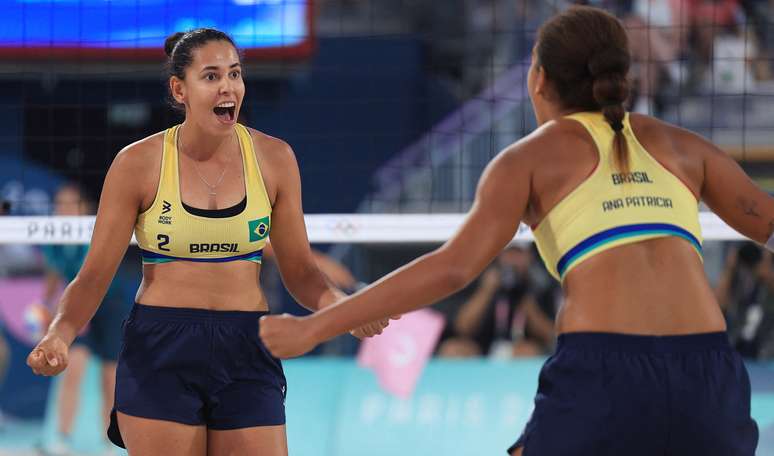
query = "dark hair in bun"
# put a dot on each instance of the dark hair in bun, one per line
(171, 41)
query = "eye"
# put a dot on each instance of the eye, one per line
(210, 76)
(235, 74)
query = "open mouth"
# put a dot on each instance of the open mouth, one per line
(225, 111)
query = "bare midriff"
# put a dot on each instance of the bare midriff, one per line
(653, 287)
(214, 286)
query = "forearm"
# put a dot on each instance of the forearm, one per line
(310, 289)
(78, 304)
(420, 283)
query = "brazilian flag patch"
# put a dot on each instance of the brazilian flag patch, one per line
(259, 229)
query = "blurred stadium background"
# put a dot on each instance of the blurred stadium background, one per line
(392, 107)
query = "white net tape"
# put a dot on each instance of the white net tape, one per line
(322, 228)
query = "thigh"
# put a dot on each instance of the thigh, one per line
(77, 358)
(146, 437)
(259, 440)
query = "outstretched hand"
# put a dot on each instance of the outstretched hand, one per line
(287, 336)
(372, 329)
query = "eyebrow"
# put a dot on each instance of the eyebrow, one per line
(213, 67)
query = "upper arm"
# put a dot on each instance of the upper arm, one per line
(118, 208)
(501, 200)
(288, 231)
(731, 194)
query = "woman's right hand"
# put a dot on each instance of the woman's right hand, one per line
(49, 357)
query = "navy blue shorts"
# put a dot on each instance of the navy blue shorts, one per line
(613, 394)
(102, 338)
(197, 367)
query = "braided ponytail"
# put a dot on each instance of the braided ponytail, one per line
(610, 89)
(585, 54)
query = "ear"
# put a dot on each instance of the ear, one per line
(541, 83)
(177, 88)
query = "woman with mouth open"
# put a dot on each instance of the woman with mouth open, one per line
(202, 198)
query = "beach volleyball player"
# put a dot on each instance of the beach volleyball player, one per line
(642, 365)
(202, 198)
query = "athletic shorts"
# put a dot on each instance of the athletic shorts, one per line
(102, 337)
(197, 367)
(612, 394)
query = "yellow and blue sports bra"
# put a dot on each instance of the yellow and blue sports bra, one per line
(170, 230)
(611, 208)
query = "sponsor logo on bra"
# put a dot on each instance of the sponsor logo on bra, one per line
(165, 219)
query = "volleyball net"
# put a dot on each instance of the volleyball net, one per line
(321, 228)
(393, 108)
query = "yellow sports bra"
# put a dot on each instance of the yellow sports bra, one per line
(611, 208)
(169, 231)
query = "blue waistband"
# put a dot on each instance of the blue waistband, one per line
(613, 342)
(142, 312)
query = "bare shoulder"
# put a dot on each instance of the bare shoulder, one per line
(549, 143)
(272, 151)
(142, 155)
(137, 168)
(682, 140)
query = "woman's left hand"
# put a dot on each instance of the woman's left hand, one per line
(287, 336)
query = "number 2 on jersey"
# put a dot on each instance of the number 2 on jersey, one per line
(163, 241)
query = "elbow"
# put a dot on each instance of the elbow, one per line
(455, 274)
(456, 277)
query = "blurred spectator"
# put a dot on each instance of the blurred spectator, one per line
(103, 337)
(760, 15)
(503, 317)
(5, 352)
(16, 259)
(745, 291)
(658, 34)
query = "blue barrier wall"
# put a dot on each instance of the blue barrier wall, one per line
(460, 408)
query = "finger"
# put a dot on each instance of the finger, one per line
(32, 357)
(52, 359)
(36, 359)
(396, 317)
(372, 330)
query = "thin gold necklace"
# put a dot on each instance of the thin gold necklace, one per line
(211, 188)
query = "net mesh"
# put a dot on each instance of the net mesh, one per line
(442, 90)
(393, 108)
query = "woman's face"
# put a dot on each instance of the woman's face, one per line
(213, 89)
(68, 201)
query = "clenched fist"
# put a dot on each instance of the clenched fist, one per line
(287, 336)
(49, 357)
